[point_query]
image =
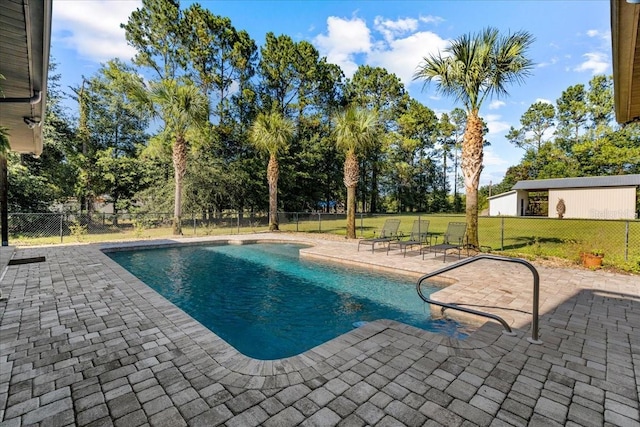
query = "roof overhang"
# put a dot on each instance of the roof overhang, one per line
(625, 40)
(25, 39)
(630, 180)
(506, 193)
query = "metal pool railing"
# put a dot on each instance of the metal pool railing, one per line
(454, 306)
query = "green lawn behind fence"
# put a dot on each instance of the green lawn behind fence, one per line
(514, 236)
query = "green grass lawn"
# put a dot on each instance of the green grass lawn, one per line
(524, 237)
(531, 238)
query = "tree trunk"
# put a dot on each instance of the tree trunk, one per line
(351, 177)
(351, 212)
(179, 169)
(471, 168)
(273, 172)
(115, 211)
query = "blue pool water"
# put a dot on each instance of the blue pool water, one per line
(269, 304)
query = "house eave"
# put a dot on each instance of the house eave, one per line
(25, 39)
(625, 41)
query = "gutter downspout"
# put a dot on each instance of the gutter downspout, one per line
(35, 99)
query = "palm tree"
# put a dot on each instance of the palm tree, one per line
(354, 130)
(271, 133)
(185, 113)
(474, 67)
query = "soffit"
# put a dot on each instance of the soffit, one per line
(25, 34)
(625, 39)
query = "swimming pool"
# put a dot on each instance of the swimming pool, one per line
(268, 303)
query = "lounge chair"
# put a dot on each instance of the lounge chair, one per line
(453, 239)
(388, 233)
(418, 237)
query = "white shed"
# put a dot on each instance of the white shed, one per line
(597, 197)
(511, 203)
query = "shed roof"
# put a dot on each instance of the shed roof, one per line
(581, 182)
(506, 193)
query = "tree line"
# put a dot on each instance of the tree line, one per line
(574, 137)
(200, 114)
(122, 143)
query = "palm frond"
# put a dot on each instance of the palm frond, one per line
(354, 129)
(477, 66)
(271, 132)
(182, 106)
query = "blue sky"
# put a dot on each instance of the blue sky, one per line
(573, 43)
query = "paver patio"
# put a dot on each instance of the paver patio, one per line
(83, 342)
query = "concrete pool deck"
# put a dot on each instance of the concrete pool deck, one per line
(83, 342)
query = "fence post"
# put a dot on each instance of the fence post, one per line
(626, 241)
(61, 225)
(319, 222)
(361, 224)
(297, 220)
(502, 234)
(238, 222)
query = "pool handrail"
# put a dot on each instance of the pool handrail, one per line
(507, 329)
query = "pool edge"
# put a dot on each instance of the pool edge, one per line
(353, 341)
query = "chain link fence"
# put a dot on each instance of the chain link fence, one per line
(531, 237)
(50, 228)
(523, 236)
(619, 240)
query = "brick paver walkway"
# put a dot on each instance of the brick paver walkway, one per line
(83, 342)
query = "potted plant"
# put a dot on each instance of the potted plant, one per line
(592, 258)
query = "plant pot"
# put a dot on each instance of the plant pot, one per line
(590, 260)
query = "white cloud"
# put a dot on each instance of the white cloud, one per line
(430, 19)
(495, 125)
(548, 63)
(496, 160)
(392, 29)
(344, 39)
(492, 159)
(606, 35)
(494, 105)
(596, 63)
(402, 56)
(92, 28)
(490, 176)
(546, 101)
